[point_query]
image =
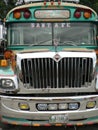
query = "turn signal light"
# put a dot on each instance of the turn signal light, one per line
(81, 12)
(87, 15)
(4, 63)
(23, 106)
(90, 104)
(17, 14)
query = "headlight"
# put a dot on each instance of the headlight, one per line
(7, 84)
(42, 107)
(73, 106)
(63, 106)
(52, 107)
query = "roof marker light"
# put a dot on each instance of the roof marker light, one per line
(44, 2)
(52, 2)
(59, 2)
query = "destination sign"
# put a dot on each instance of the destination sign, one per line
(48, 14)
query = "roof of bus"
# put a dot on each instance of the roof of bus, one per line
(49, 5)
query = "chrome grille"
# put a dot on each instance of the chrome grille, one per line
(71, 72)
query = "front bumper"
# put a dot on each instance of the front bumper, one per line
(11, 113)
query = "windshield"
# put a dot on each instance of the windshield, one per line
(73, 34)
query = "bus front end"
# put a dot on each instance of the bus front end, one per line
(49, 71)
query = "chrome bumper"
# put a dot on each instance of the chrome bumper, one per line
(10, 108)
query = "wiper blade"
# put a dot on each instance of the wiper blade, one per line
(41, 42)
(71, 43)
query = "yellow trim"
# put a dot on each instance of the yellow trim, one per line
(78, 49)
(31, 51)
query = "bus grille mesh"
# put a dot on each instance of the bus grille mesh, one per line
(71, 72)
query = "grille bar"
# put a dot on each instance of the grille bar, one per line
(41, 73)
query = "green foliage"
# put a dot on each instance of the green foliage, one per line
(11, 3)
(2, 9)
(5, 8)
(91, 3)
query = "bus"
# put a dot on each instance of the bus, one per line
(49, 68)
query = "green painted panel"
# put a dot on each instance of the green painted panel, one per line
(51, 48)
(6, 71)
(32, 9)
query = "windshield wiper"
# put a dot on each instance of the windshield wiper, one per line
(41, 42)
(70, 43)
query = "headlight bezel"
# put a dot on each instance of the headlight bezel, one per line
(4, 83)
(13, 88)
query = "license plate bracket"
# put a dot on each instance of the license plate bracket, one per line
(58, 119)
